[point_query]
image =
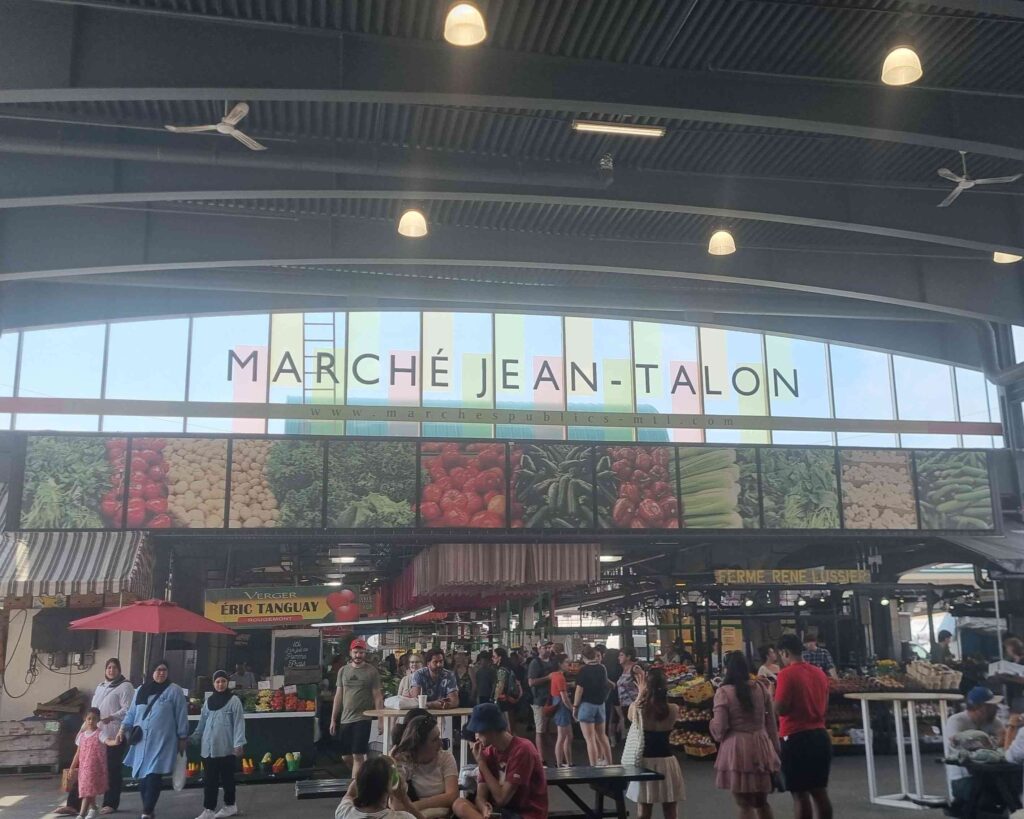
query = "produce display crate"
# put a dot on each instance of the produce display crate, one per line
(700, 751)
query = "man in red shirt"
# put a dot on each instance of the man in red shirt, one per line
(511, 781)
(801, 699)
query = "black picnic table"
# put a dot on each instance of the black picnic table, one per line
(999, 779)
(608, 782)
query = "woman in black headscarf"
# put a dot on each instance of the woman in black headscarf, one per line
(221, 734)
(160, 714)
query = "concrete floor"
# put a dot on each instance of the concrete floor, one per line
(33, 797)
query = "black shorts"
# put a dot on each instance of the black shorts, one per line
(806, 760)
(354, 737)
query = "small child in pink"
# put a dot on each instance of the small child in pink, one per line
(90, 763)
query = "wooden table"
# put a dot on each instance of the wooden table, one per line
(387, 717)
(608, 782)
(916, 799)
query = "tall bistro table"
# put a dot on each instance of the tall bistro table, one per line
(916, 799)
(387, 717)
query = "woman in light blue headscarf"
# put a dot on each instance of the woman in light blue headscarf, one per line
(161, 711)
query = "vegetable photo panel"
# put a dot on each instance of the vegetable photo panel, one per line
(954, 490)
(463, 485)
(878, 489)
(553, 487)
(276, 483)
(371, 485)
(636, 487)
(718, 487)
(77, 482)
(799, 488)
(197, 471)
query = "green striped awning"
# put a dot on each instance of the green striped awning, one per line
(49, 563)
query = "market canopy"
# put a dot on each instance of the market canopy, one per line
(1005, 553)
(51, 563)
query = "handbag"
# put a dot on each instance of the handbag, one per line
(633, 751)
(67, 780)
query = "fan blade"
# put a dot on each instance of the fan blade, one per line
(998, 180)
(946, 173)
(236, 114)
(248, 141)
(190, 129)
(953, 194)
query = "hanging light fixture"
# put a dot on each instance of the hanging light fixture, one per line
(1005, 258)
(801, 601)
(902, 66)
(413, 224)
(721, 243)
(464, 25)
(748, 601)
(884, 601)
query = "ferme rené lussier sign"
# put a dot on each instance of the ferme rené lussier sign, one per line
(509, 374)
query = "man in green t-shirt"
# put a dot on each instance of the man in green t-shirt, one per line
(358, 691)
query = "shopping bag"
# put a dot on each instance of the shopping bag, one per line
(67, 780)
(180, 772)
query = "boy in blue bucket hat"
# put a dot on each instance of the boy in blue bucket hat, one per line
(511, 782)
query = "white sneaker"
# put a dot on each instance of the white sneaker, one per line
(92, 814)
(206, 814)
(601, 763)
(227, 810)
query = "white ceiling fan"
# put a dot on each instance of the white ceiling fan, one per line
(965, 183)
(226, 127)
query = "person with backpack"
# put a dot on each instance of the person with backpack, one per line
(507, 691)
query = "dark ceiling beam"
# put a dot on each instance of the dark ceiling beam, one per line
(47, 243)
(51, 52)
(1011, 9)
(981, 221)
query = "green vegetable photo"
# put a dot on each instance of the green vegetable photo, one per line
(70, 482)
(555, 485)
(954, 490)
(719, 487)
(371, 485)
(799, 488)
(276, 484)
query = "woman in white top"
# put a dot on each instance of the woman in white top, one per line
(404, 684)
(377, 792)
(430, 770)
(113, 697)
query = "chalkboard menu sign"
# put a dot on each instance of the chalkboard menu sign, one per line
(295, 648)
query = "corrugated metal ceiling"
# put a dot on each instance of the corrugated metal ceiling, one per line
(688, 146)
(841, 39)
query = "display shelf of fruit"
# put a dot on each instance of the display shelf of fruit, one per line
(683, 736)
(193, 769)
(693, 692)
(885, 668)
(694, 715)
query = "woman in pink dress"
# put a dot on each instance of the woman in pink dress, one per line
(744, 726)
(90, 762)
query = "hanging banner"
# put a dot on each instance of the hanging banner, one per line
(259, 607)
(791, 577)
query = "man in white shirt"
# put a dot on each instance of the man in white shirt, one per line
(113, 697)
(980, 715)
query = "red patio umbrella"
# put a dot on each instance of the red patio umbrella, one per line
(150, 617)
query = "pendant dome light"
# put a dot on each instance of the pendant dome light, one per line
(902, 66)
(721, 243)
(464, 25)
(1005, 258)
(413, 224)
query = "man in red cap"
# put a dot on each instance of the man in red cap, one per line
(358, 691)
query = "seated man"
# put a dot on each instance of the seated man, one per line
(980, 715)
(511, 782)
